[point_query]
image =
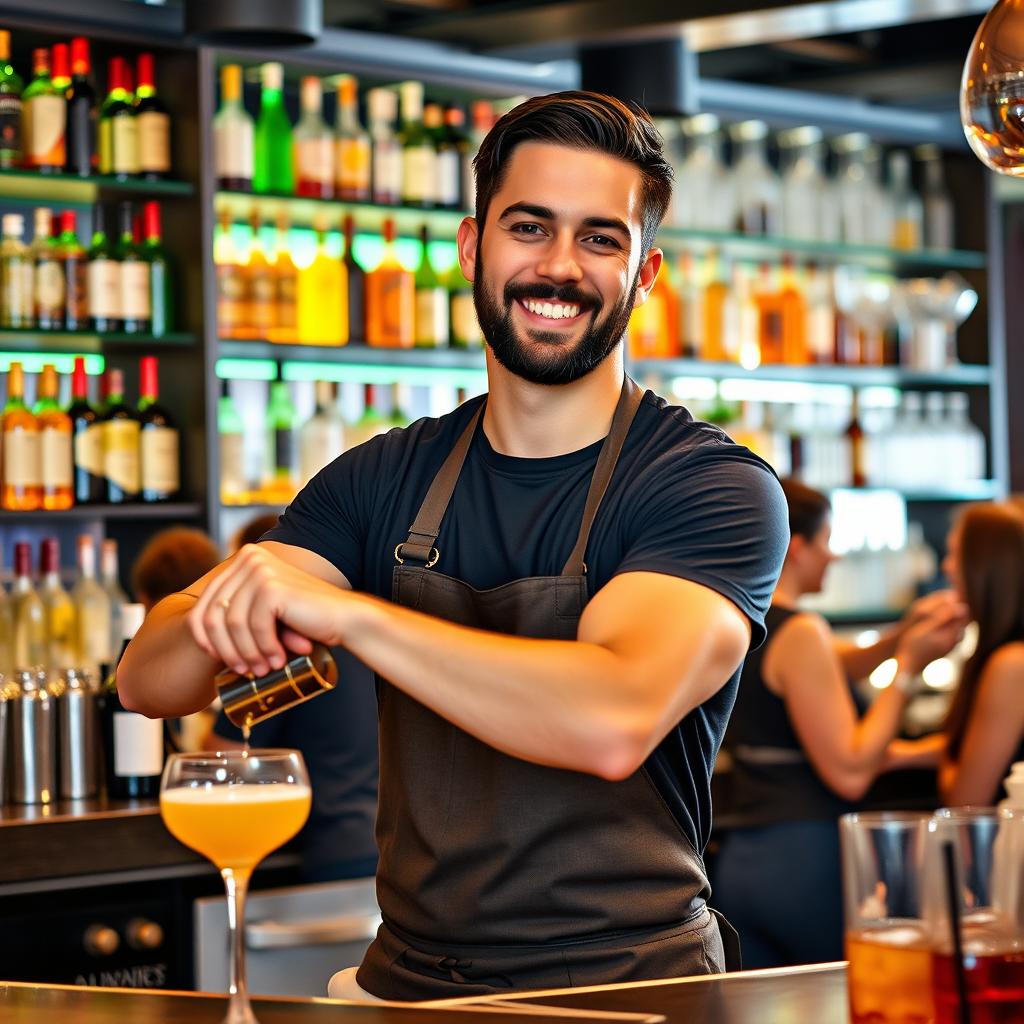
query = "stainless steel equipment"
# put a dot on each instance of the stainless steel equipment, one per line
(33, 740)
(78, 733)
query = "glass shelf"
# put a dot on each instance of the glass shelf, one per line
(72, 190)
(85, 341)
(169, 510)
(852, 376)
(770, 248)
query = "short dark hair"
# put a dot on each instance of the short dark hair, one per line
(582, 120)
(808, 509)
(253, 530)
(172, 560)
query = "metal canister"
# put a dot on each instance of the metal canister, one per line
(33, 740)
(5, 728)
(78, 734)
(248, 700)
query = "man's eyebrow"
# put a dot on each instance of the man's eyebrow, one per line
(546, 213)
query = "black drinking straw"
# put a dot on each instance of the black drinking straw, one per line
(953, 902)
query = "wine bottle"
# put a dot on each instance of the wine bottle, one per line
(234, 488)
(55, 443)
(314, 147)
(232, 135)
(133, 275)
(356, 283)
(10, 107)
(28, 613)
(22, 491)
(432, 327)
(92, 611)
(58, 609)
(273, 171)
(44, 113)
(89, 485)
(452, 154)
(352, 146)
(390, 299)
(153, 123)
(322, 438)
(103, 277)
(47, 274)
(161, 296)
(118, 131)
(74, 271)
(120, 445)
(418, 154)
(134, 744)
(110, 580)
(80, 130)
(158, 441)
(16, 278)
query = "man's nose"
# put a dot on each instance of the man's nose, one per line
(558, 261)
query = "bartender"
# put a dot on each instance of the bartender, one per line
(556, 585)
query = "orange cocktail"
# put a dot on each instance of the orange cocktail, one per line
(890, 975)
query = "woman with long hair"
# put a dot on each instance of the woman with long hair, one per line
(802, 756)
(985, 727)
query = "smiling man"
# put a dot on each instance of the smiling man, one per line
(556, 585)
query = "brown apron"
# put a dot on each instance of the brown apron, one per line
(497, 874)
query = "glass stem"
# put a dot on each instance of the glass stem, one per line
(237, 885)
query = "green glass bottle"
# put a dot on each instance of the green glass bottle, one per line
(103, 277)
(273, 171)
(161, 304)
(133, 274)
(43, 116)
(281, 479)
(432, 315)
(118, 134)
(234, 488)
(10, 106)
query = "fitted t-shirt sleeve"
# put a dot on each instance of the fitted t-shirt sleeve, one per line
(329, 516)
(717, 517)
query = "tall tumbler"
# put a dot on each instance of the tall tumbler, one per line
(78, 733)
(33, 740)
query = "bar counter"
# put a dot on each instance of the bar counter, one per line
(808, 995)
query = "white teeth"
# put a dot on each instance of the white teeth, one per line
(547, 310)
(553, 311)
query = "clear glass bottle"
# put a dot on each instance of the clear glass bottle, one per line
(92, 611)
(314, 144)
(881, 214)
(908, 212)
(323, 298)
(17, 284)
(59, 609)
(419, 173)
(233, 146)
(273, 169)
(821, 315)
(48, 275)
(757, 188)
(805, 198)
(352, 152)
(704, 198)
(234, 487)
(382, 106)
(969, 439)
(111, 583)
(938, 205)
(55, 443)
(853, 188)
(322, 438)
(28, 612)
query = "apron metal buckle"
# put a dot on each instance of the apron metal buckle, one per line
(431, 561)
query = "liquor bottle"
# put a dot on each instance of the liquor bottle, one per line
(28, 613)
(233, 145)
(452, 153)
(232, 284)
(47, 274)
(260, 283)
(6, 633)
(482, 118)
(161, 298)
(103, 277)
(314, 146)
(654, 326)
(58, 609)
(159, 458)
(87, 441)
(322, 438)
(234, 488)
(120, 444)
(755, 183)
(281, 478)
(133, 744)
(720, 335)
(118, 131)
(61, 59)
(55, 443)
(110, 580)
(16, 278)
(153, 123)
(285, 278)
(793, 310)
(433, 125)
(770, 318)
(938, 206)
(821, 315)
(381, 104)
(432, 327)
(44, 112)
(690, 303)
(418, 155)
(323, 298)
(80, 133)
(352, 146)
(390, 298)
(908, 214)
(92, 610)
(273, 171)
(133, 275)
(371, 423)
(22, 491)
(356, 282)
(856, 441)
(74, 270)
(10, 107)
(465, 327)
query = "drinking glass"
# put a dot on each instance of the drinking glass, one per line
(887, 942)
(987, 850)
(234, 808)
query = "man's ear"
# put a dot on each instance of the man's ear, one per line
(467, 243)
(648, 274)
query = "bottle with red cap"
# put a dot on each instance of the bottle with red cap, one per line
(71, 257)
(120, 444)
(86, 441)
(152, 121)
(161, 303)
(80, 129)
(61, 57)
(118, 132)
(159, 459)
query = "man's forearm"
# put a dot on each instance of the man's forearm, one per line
(164, 673)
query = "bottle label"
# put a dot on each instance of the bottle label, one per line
(449, 175)
(160, 460)
(138, 744)
(285, 300)
(89, 449)
(465, 326)
(231, 304)
(44, 131)
(17, 291)
(10, 123)
(154, 131)
(232, 467)
(76, 292)
(134, 289)
(354, 160)
(387, 173)
(49, 289)
(121, 454)
(125, 143)
(314, 160)
(104, 287)
(21, 458)
(263, 313)
(418, 174)
(56, 458)
(233, 148)
(431, 316)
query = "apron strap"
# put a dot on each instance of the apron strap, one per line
(427, 525)
(625, 411)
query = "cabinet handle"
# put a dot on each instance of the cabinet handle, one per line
(323, 932)
(101, 940)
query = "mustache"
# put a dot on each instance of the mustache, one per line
(567, 294)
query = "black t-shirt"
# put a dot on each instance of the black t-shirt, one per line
(684, 500)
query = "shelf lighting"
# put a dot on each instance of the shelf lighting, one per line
(247, 369)
(33, 362)
(369, 373)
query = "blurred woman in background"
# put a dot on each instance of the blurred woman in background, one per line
(985, 727)
(801, 754)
